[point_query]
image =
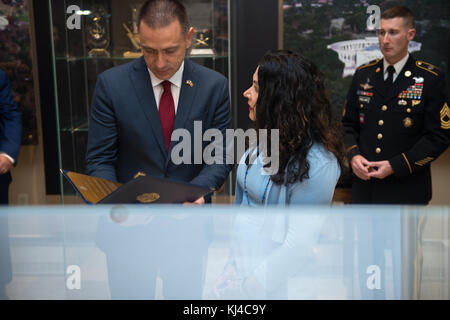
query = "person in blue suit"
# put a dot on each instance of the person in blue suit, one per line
(135, 109)
(126, 130)
(10, 139)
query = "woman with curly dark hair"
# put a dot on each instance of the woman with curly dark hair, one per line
(268, 248)
(288, 94)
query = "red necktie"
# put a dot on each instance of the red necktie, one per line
(167, 113)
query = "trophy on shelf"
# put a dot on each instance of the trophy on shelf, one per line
(133, 34)
(98, 33)
(201, 42)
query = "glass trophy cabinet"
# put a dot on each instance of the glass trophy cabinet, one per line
(91, 36)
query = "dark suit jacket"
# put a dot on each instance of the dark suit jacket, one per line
(10, 124)
(406, 124)
(10, 139)
(125, 134)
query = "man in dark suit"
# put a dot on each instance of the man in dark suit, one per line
(10, 138)
(397, 120)
(137, 106)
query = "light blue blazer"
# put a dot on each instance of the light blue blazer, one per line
(273, 246)
(324, 173)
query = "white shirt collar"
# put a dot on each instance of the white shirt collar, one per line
(398, 66)
(175, 79)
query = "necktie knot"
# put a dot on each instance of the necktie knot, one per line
(166, 85)
(391, 69)
(390, 78)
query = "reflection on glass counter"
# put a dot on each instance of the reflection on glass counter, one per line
(175, 252)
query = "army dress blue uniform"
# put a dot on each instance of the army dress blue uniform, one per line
(406, 123)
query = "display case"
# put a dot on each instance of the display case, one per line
(91, 36)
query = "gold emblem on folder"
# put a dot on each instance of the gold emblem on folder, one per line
(148, 197)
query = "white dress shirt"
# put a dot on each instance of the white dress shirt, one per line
(175, 81)
(8, 156)
(398, 67)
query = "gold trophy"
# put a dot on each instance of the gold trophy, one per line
(201, 43)
(97, 33)
(133, 35)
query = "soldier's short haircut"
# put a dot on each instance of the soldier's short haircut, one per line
(400, 12)
(161, 13)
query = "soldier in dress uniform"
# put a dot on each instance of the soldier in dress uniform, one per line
(396, 119)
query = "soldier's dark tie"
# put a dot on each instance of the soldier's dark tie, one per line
(390, 77)
(167, 113)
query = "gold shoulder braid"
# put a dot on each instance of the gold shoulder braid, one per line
(445, 117)
(427, 66)
(371, 63)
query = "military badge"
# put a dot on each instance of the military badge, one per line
(415, 102)
(378, 70)
(418, 79)
(412, 92)
(366, 86)
(407, 73)
(402, 102)
(445, 117)
(407, 122)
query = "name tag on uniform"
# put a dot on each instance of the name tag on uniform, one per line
(363, 99)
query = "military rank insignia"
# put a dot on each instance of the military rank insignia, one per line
(445, 117)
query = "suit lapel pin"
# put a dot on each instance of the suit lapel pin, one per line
(190, 83)
(407, 73)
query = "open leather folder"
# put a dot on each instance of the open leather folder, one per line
(143, 189)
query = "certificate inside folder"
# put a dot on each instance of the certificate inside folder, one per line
(144, 189)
